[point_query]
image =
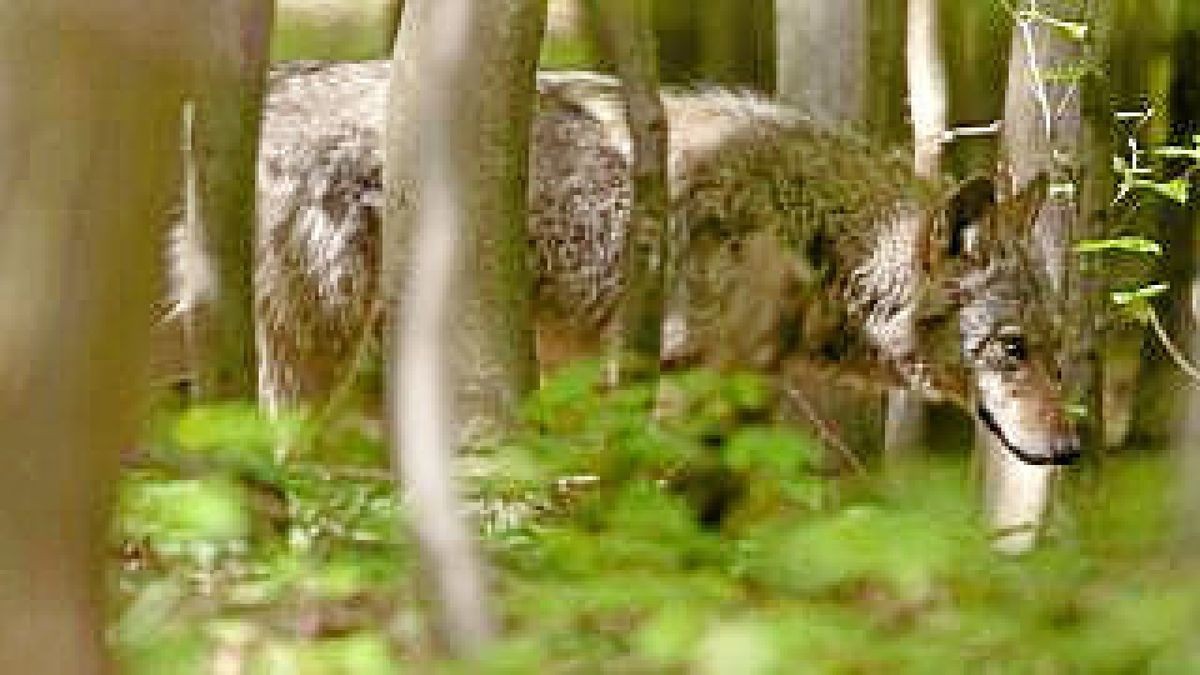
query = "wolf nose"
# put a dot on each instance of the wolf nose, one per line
(1065, 450)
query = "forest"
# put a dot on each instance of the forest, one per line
(600, 336)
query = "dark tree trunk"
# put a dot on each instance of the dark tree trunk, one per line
(627, 40)
(225, 111)
(89, 100)
(455, 258)
(1184, 270)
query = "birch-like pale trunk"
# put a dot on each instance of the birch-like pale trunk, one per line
(460, 342)
(1045, 131)
(89, 114)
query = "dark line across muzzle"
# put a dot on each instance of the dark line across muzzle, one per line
(1057, 459)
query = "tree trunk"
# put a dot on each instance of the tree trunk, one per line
(1184, 266)
(1140, 71)
(223, 139)
(1045, 132)
(395, 11)
(89, 100)
(822, 56)
(887, 113)
(1187, 428)
(904, 430)
(627, 39)
(454, 247)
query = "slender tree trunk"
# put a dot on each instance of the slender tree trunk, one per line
(454, 247)
(887, 113)
(1187, 439)
(1045, 131)
(395, 11)
(89, 101)
(822, 55)
(225, 112)
(627, 38)
(904, 431)
(1184, 263)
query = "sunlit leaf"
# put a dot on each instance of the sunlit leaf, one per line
(1126, 244)
(1144, 293)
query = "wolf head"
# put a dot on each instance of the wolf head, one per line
(991, 297)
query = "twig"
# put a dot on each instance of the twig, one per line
(828, 436)
(362, 350)
(1173, 350)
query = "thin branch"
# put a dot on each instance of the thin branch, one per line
(1173, 350)
(828, 436)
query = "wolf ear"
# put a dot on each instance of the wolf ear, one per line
(968, 209)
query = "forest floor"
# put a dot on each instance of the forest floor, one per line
(709, 542)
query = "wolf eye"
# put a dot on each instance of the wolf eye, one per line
(1015, 348)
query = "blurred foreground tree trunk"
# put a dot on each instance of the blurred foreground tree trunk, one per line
(626, 38)
(224, 113)
(454, 250)
(1055, 124)
(823, 54)
(89, 118)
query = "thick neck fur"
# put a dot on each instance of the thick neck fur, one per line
(840, 225)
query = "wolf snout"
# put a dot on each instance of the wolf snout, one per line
(1061, 451)
(1065, 450)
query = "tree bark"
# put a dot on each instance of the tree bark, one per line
(627, 39)
(395, 11)
(822, 54)
(89, 100)
(1045, 131)
(227, 105)
(1184, 264)
(926, 76)
(454, 247)
(822, 57)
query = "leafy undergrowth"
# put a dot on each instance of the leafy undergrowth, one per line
(708, 540)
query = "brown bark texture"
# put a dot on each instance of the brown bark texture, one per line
(627, 40)
(227, 104)
(89, 100)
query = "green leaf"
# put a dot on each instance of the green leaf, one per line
(1176, 151)
(1126, 244)
(1137, 301)
(1176, 189)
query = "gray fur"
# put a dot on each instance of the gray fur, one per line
(792, 243)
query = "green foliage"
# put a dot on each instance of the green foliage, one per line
(634, 530)
(1126, 244)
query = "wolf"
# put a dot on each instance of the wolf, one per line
(795, 246)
